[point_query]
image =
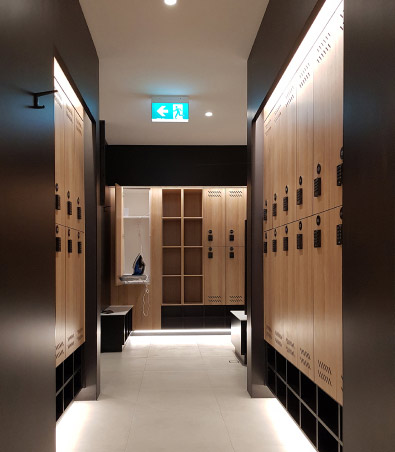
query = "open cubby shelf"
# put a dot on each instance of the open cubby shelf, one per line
(316, 413)
(69, 381)
(171, 202)
(171, 290)
(192, 202)
(193, 261)
(171, 232)
(172, 261)
(193, 289)
(193, 232)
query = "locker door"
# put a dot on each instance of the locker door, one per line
(60, 322)
(214, 275)
(72, 291)
(304, 144)
(236, 214)
(69, 159)
(80, 288)
(289, 306)
(214, 217)
(286, 205)
(304, 296)
(275, 148)
(60, 202)
(277, 291)
(328, 115)
(327, 268)
(267, 174)
(268, 287)
(119, 235)
(235, 275)
(79, 171)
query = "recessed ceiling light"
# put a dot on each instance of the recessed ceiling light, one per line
(170, 2)
(209, 114)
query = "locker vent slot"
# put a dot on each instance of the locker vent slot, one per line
(324, 372)
(70, 246)
(265, 247)
(304, 75)
(317, 238)
(339, 234)
(278, 338)
(79, 247)
(285, 243)
(57, 202)
(339, 174)
(285, 204)
(305, 358)
(79, 213)
(236, 299)
(274, 209)
(299, 196)
(317, 187)
(265, 214)
(214, 299)
(274, 246)
(290, 347)
(269, 332)
(279, 335)
(58, 244)
(214, 194)
(236, 193)
(69, 208)
(59, 345)
(299, 241)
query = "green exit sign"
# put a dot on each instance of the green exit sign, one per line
(170, 109)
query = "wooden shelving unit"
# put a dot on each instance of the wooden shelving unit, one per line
(182, 246)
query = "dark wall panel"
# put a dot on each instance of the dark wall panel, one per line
(283, 25)
(176, 165)
(31, 32)
(368, 250)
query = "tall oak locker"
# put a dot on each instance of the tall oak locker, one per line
(235, 216)
(235, 275)
(70, 164)
(60, 200)
(277, 292)
(79, 170)
(214, 275)
(60, 320)
(327, 270)
(328, 115)
(214, 216)
(268, 286)
(275, 160)
(80, 284)
(304, 295)
(267, 167)
(72, 295)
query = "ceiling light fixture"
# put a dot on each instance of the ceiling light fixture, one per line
(170, 2)
(209, 114)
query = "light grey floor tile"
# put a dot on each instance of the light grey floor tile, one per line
(175, 364)
(175, 380)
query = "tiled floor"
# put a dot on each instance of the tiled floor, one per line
(177, 394)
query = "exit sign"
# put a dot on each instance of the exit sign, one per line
(170, 109)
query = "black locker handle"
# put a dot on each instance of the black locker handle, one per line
(231, 235)
(57, 202)
(299, 196)
(69, 208)
(285, 243)
(58, 244)
(231, 254)
(265, 247)
(210, 235)
(339, 234)
(299, 241)
(79, 213)
(274, 209)
(339, 174)
(264, 214)
(317, 238)
(210, 253)
(317, 187)
(274, 246)
(285, 204)
(79, 247)
(70, 246)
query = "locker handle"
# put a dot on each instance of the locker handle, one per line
(339, 175)
(317, 187)
(285, 243)
(231, 236)
(265, 247)
(317, 238)
(58, 244)
(299, 241)
(79, 213)
(69, 208)
(210, 235)
(57, 202)
(274, 209)
(299, 196)
(285, 204)
(79, 247)
(339, 234)
(210, 253)
(70, 246)
(231, 253)
(264, 214)
(274, 246)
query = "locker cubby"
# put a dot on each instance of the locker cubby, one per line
(271, 380)
(281, 391)
(68, 394)
(192, 202)
(171, 203)
(171, 261)
(326, 442)
(193, 289)
(308, 424)
(59, 405)
(68, 368)
(193, 232)
(271, 357)
(59, 378)
(308, 392)
(293, 377)
(293, 406)
(328, 411)
(193, 261)
(77, 382)
(171, 232)
(281, 366)
(171, 289)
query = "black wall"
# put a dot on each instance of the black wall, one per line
(278, 36)
(369, 229)
(31, 33)
(176, 165)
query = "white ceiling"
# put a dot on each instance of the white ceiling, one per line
(197, 48)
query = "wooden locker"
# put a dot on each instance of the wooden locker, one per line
(214, 217)
(327, 270)
(60, 201)
(277, 292)
(288, 249)
(304, 141)
(304, 295)
(328, 115)
(267, 172)
(60, 322)
(235, 275)
(119, 235)
(268, 303)
(80, 288)
(214, 275)
(70, 165)
(275, 149)
(79, 171)
(236, 214)
(286, 207)
(72, 291)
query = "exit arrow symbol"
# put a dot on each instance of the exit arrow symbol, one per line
(162, 110)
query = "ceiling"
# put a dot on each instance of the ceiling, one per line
(197, 48)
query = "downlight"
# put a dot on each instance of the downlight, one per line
(170, 2)
(208, 114)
